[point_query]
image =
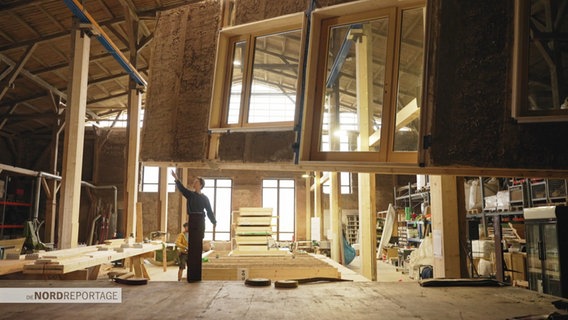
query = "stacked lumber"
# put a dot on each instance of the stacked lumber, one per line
(221, 266)
(253, 232)
(69, 260)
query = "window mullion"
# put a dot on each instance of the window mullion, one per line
(247, 80)
(391, 83)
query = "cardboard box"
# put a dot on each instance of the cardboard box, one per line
(389, 253)
(483, 249)
(503, 200)
(516, 263)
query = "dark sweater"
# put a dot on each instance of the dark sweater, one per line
(196, 202)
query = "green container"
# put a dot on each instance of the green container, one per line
(408, 213)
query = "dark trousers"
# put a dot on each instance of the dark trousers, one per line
(196, 223)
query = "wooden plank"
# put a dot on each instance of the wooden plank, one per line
(163, 195)
(255, 221)
(139, 227)
(13, 266)
(270, 273)
(253, 239)
(367, 225)
(444, 204)
(17, 243)
(335, 218)
(250, 211)
(74, 142)
(91, 259)
(352, 300)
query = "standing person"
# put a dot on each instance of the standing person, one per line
(197, 206)
(182, 245)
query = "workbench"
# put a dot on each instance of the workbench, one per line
(81, 260)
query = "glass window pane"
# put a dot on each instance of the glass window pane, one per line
(220, 199)
(547, 57)
(269, 183)
(223, 209)
(222, 236)
(287, 183)
(151, 175)
(354, 83)
(234, 111)
(150, 187)
(409, 92)
(224, 183)
(171, 181)
(286, 210)
(274, 77)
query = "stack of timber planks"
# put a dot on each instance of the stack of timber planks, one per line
(253, 232)
(69, 260)
(221, 266)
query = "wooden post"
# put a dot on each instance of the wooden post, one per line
(133, 132)
(74, 142)
(445, 229)
(308, 209)
(366, 191)
(139, 232)
(183, 202)
(318, 210)
(163, 191)
(53, 185)
(335, 218)
(497, 238)
(367, 225)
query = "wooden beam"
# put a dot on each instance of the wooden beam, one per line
(309, 206)
(367, 225)
(163, 196)
(6, 72)
(18, 67)
(37, 80)
(74, 140)
(7, 116)
(445, 226)
(183, 202)
(406, 115)
(335, 218)
(133, 139)
(318, 204)
(364, 77)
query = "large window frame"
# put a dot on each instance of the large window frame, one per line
(279, 213)
(212, 188)
(228, 37)
(151, 179)
(525, 32)
(322, 22)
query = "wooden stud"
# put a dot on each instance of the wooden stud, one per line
(445, 231)
(139, 223)
(318, 209)
(74, 142)
(309, 206)
(163, 195)
(367, 225)
(335, 218)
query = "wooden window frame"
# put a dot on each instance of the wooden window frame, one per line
(322, 21)
(519, 82)
(223, 70)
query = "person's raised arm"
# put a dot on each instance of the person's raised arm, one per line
(180, 185)
(210, 213)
